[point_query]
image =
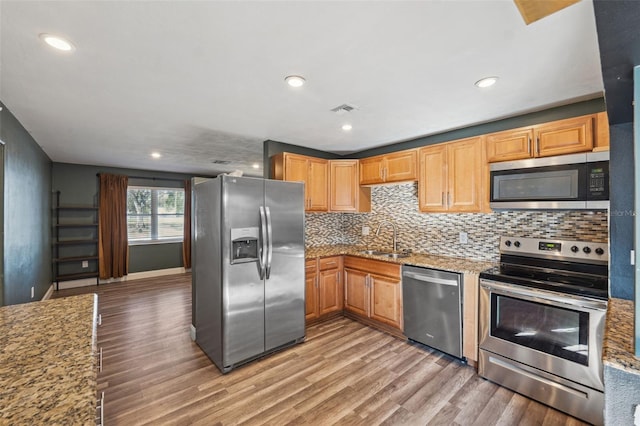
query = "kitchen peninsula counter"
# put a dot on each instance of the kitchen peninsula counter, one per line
(446, 263)
(618, 346)
(48, 365)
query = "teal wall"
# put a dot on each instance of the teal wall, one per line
(78, 184)
(27, 214)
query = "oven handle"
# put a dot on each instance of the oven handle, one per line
(534, 294)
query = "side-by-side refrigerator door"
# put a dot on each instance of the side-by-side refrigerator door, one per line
(284, 284)
(243, 289)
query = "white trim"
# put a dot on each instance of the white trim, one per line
(86, 282)
(192, 332)
(49, 292)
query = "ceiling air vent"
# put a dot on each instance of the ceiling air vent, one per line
(344, 108)
(221, 162)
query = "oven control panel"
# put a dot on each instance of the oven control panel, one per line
(540, 247)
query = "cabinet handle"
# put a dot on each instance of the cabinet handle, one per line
(316, 279)
(101, 408)
(384, 174)
(100, 360)
(538, 146)
(448, 198)
(529, 145)
(338, 276)
(444, 203)
(99, 319)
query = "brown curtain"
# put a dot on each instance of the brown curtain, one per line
(186, 243)
(112, 232)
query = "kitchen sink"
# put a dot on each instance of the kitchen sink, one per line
(396, 255)
(385, 253)
(376, 252)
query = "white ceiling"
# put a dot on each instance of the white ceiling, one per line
(204, 80)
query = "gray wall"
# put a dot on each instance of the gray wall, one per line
(78, 184)
(621, 219)
(27, 214)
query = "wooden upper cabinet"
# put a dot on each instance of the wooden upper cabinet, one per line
(317, 184)
(401, 166)
(453, 177)
(579, 134)
(509, 145)
(313, 172)
(465, 175)
(432, 184)
(565, 136)
(389, 168)
(345, 192)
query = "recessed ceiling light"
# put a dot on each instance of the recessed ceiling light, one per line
(486, 82)
(256, 166)
(294, 80)
(57, 42)
(347, 127)
(156, 155)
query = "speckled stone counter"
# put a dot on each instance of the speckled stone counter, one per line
(618, 346)
(453, 264)
(48, 363)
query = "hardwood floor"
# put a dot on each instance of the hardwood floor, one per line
(345, 373)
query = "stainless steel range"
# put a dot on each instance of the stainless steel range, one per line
(542, 320)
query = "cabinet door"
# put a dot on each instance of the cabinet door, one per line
(296, 168)
(330, 294)
(401, 166)
(317, 184)
(510, 145)
(345, 192)
(465, 176)
(432, 185)
(356, 297)
(371, 171)
(311, 290)
(565, 136)
(386, 300)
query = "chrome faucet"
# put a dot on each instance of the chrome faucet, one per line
(395, 233)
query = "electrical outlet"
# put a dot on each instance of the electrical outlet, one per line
(633, 257)
(365, 230)
(33, 292)
(85, 263)
(464, 238)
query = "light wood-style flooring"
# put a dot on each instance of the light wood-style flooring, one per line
(345, 373)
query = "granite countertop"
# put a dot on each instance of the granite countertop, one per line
(48, 367)
(618, 347)
(446, 263)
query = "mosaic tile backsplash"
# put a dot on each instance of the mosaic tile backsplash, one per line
(438, 233)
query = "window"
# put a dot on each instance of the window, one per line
(155, 214)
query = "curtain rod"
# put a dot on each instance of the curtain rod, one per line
(151, 178)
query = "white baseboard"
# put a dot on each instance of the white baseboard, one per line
(192, 332)
(49, 292)
(85, 282)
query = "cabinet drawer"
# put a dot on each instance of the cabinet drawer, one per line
(329, 263)
(373, 266)
(310, 266)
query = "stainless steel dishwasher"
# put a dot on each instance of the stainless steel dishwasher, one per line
(432, 304)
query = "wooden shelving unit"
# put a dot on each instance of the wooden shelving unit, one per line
(75, 242)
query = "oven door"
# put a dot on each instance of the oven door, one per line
(557, 333)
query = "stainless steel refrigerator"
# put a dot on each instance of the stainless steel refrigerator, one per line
(248, 267)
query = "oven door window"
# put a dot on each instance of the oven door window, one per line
(546, 328)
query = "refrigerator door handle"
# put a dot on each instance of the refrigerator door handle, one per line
(269, 243)
(262, 258)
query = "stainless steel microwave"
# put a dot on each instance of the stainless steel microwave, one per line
(576, 181)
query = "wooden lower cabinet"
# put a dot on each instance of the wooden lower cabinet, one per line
(323, 287)
(373, 290)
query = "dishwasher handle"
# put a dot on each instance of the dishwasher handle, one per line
(429, 279)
